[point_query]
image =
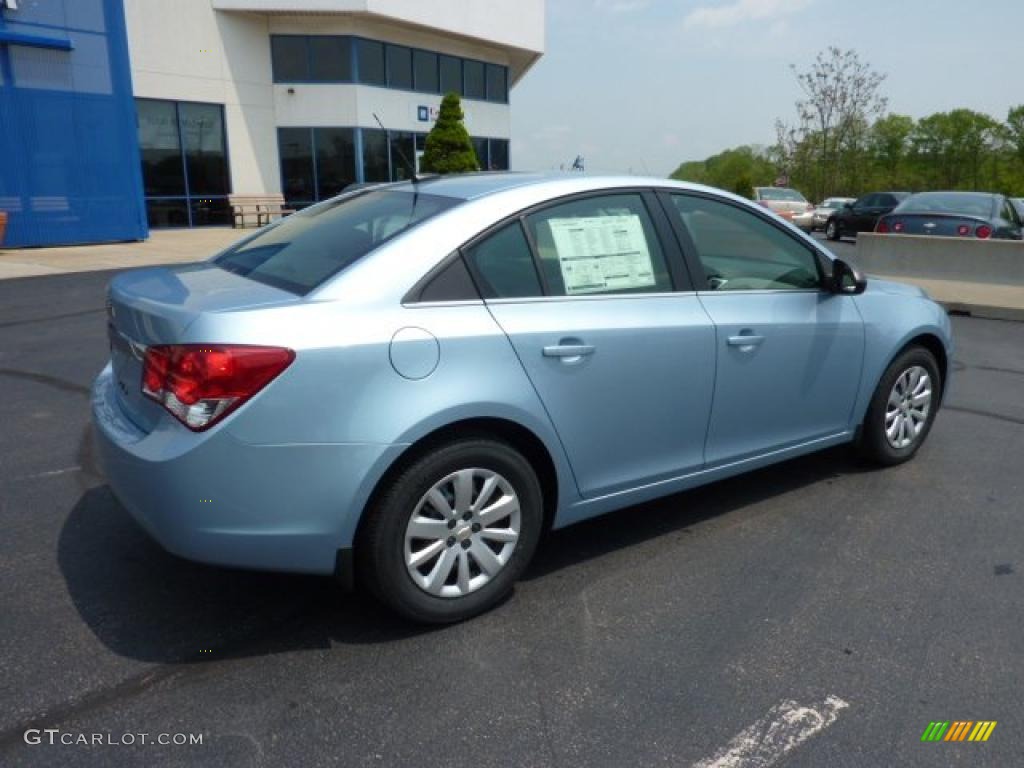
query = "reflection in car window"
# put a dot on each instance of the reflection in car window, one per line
(504, 264)
(310, 246)
(599, 245)
(740, 251)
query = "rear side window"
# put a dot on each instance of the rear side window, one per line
(599, 245)
(504, 264)
(308, 247)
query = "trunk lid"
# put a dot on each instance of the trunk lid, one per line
(938, 224)
(156, 306)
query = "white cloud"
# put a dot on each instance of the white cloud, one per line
(741, 11)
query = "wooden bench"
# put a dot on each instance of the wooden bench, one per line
(261, 208)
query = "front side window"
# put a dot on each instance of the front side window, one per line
(741, 251)
(308, 247)
(599, 245)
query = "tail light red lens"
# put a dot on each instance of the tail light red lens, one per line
(897, 226)
(984, 232)
(200, 384)
(963, 230)
(882, 227)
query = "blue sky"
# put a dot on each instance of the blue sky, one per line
(641, 85)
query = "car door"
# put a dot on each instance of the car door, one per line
(865, 213)
(788, 352)
(586, 291)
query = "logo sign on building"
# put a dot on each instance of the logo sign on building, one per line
(426, 114)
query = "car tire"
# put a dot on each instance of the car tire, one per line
(902, 409)
(832, 230)
(437, 494)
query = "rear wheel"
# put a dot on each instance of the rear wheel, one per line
(453, 533)
(832, 230)
(902, 409)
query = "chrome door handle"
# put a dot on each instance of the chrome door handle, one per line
(568, 350)
(744, 341)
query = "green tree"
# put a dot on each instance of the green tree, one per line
(448, 148)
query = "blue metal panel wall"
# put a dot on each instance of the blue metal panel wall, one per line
(69, 162)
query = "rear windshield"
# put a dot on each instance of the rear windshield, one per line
(774, 193)
(308, 247)
(948, 202)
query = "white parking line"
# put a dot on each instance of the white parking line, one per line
(786, 726)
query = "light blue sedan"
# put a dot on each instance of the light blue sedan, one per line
(406, 385)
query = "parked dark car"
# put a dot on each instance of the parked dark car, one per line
(954, 214)
(862, 214)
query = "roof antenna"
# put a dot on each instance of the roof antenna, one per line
(414, 177)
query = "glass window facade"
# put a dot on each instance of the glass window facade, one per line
(451, 74)
(319, 163)
(370, 62)
(425, 74)
(346, 59)
(474, 82)
(399, 60)
(184, 163)
(316, 163)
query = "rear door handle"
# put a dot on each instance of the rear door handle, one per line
(568, 350)
(745, 340)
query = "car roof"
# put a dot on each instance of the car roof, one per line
(472, 186)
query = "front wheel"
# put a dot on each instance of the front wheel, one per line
(452, 534)
(902, 410)
(832, 230)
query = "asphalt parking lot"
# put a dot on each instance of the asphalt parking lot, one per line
(862, 603)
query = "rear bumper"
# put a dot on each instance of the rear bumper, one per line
(803, 220)
(213, 498)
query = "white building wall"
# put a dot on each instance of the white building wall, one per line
(186, 51)
(191, 50)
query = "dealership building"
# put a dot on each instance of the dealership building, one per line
(125, 115)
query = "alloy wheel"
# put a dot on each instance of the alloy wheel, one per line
(462, 532)
(906, 412)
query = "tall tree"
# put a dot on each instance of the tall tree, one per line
(448, 148)
(841, 94)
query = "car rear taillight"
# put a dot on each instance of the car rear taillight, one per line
(984, 232)
(199, 384)
(897, 226)
(963, 230)
(882, 227)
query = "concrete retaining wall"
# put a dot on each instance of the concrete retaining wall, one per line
(942, 258)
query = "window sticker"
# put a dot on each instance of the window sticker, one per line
(602, 253)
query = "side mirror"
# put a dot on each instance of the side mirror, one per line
(847, 279)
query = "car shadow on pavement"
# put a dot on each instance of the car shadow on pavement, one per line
(146, 604)
(682, 511)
